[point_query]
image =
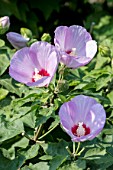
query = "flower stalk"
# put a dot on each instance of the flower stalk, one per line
(38, 132)
(45, 134)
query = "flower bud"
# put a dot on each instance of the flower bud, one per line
(17, 40)
(104, 51)
(26, 33)
(4, 24)
(46, 37)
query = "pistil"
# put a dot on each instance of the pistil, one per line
(72, 52)
(80, 129)
(39, 74)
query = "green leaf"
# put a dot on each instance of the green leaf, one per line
(4, 60)
(57, 103)
(29, 119)
(19, 112)
(45, 157)
(6, 164)
(104, 162)
(62, 98)
(63, 85)
(26, 168)
(10, 129)
(39, 166)
(110, 96)
(56, 149)
(108, 131)
(54, 123)
(10, 153)
(41, 119)
(31, 152)
(101, 61)
(57, 161)
(4, 103)
(74, 165)
(3, 93)
(102, 81)
(94, 153)
(44, 115)
(22, 143)
(7, 83)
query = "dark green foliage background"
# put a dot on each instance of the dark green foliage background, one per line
(24, 109)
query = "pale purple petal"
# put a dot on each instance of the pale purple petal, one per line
(22, 67)
(44, 81)
(60, 34)
(41, 50)
(68, 116)
(95, 119)
(65, 117)
(91, 48)
(52, 58)
(83, 105)
(74, 62)
(77, 37)
(17, 40)
(98, 119)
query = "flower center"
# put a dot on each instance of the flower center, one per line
(72, 52)
(80, 129)
(39, 74)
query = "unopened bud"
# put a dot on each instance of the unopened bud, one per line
(104, 51)
(46, 37)
(4, 24)
(25, 32)
(17, 40)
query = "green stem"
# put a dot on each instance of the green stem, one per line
(40, 142)
(74, 152)
(38, 132)
(77, 148)
(67, 148)
(61, 76)
(25, 134)
(73, 147)
(79, 153)
(48, 131)
(91, 27)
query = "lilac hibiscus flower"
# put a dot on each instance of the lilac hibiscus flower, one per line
(82, 118)
(17, 40)
(35, 65)
(75, 44)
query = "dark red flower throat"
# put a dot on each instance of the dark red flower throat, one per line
(80, 129)
(39, 74)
